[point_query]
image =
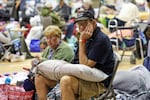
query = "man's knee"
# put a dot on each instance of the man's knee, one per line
(69, 81)
(65, 80)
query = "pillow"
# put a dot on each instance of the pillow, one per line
(55, 69)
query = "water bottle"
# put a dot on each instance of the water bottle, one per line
(8, 80)
(35, 62)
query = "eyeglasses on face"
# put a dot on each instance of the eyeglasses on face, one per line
(82, 23)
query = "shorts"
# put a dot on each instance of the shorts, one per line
(90, 89)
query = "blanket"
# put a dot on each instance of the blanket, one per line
(133, 84)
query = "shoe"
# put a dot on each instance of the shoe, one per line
(14, 58)
(21, 58)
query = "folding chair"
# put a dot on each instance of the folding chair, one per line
(109, 93)
(13, 47)
(125, 44)
(113, 26)
(128, 45)
(4, 50)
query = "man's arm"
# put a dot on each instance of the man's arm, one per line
(17, 3)
(83, 59)
(85, 35)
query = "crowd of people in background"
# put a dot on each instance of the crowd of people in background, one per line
(36, 15)
(22, 10)
(61, 29)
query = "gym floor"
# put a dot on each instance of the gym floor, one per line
(12, 67)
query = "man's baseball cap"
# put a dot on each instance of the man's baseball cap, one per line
(111, 7)
(84, 15)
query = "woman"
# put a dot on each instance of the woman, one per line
(57, 49)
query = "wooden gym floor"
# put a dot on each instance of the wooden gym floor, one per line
(12, 67)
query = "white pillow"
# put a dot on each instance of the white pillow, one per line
(55, 69)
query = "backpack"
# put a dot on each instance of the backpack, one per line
(35, 45)
(146, 61)
(4, 15)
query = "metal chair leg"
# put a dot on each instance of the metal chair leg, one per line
(141, 47)
(113, 94)
(122, 54)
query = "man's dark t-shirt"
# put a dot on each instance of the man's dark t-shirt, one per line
(99, 49)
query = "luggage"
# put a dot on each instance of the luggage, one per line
(12, 92)
(35, 45)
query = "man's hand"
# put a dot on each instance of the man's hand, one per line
(87, 33)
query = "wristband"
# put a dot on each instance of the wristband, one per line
(82, 41)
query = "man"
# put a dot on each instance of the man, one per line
(63, 10)
(95, 51)
(50, 17)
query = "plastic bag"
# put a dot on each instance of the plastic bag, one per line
(12, 92)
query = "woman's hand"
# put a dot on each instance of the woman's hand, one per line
(35, 61)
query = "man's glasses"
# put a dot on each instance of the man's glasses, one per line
(82, 23)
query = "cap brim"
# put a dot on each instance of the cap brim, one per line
(81, 19)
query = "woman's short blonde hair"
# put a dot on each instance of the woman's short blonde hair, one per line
(52, 31)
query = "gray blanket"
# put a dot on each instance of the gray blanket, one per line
(133, 84)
